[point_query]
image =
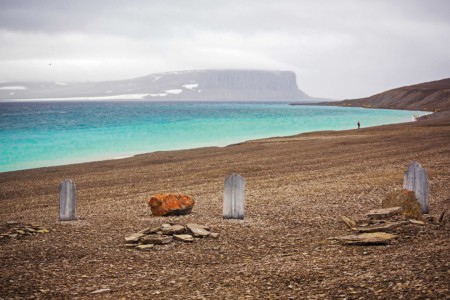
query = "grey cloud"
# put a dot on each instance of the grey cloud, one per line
(339, 49)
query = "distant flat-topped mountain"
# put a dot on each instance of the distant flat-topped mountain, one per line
(204, 85)
(429, 96)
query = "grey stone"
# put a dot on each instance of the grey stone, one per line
(214, 235)
(145, 247)
(67, 201)
(197, 230)
(101, 291)
(156, 239)
(150, 230)
(173, 229)
(233, 197)
(134, 238)
(415, 179)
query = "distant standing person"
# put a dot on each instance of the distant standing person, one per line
(359, 125)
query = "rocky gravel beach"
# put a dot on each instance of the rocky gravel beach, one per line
(297, 190)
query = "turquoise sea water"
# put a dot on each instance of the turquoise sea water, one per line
(38, 134)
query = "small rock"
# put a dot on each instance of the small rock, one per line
(21, 232)
(197, 230)
(145, 247)
(12, 223)
(156, 239)
(384, 212)
(214, 235)
(183, 237)
(349, 222)
(134, 238)
(405, 199)
(130, 245)
(43, 230)
(416, 222)
(171, 204)
(101, 291)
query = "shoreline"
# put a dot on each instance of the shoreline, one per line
(123, 155)
(297, 187)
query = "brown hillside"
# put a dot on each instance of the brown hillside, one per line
(428, 96)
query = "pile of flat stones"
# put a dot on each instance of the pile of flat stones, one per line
(16, 230)
(167, 233)
(376, 230)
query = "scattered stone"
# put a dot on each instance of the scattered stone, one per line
(214, 235)
(183, 237)
(384, 212)
(134, 238)
(373, 238)
(156, 239)
(145, 247)
(416, 222)
(173, 229)
(171, 204)
(349, 222)
(406, 200)
(101, 291)
(17, 230)
(197, 230)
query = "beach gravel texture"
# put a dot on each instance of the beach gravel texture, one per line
(297, 189)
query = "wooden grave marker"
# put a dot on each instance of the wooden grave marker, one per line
(67, 201)
(416, 180)
(233, 197)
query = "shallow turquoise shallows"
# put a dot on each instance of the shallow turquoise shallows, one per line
(39, 134)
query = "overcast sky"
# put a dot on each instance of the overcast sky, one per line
(338, 49)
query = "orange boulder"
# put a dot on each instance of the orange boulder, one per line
(171, 204)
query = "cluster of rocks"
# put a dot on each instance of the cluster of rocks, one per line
(376, 229)
(167, 233)
(16, 230)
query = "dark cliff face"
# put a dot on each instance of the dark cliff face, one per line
(203, 85)
(429, 96)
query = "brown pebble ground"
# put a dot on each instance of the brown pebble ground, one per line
(296, 190)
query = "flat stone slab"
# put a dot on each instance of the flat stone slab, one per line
(134, 238)
(156, 239)
(184, 237)
(145, 247)
(173, 229)
(373, 238)
(384, 212)
(197, 230)
(349, 222)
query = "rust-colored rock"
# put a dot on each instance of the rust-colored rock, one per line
(406, 200)
(171, 204)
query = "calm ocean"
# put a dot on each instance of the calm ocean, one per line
(39, 134)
